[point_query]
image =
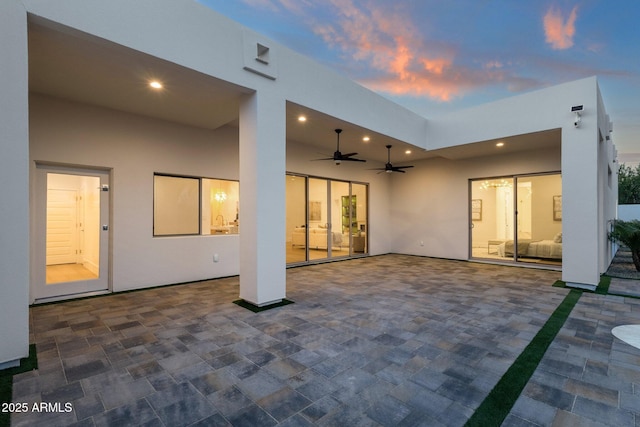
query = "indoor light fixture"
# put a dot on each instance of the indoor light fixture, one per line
(407, 152)
(155, 84)
(503, 183)
(220, 196)
(366, 139)
(500, 144)
(302, 118)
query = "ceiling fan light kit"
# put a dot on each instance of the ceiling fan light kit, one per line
(389, 168)
(338, 157)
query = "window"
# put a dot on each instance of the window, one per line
(194, 206)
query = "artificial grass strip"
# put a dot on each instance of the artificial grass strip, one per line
(603, 286)
(601, 289)
(6, 381)
(497, 405)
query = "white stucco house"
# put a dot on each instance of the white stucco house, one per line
(90, 150)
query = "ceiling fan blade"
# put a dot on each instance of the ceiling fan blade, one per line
(388, 167)
(338, 156)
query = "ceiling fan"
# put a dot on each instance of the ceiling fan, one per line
(388, 167)
(338, 157)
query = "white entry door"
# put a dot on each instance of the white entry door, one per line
(63, 226)
(72, 232)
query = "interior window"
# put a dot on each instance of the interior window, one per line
(220, 206)
(192, 206)
(176, 205)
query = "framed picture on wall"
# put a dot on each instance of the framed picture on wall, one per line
(476, 210)
(315, 211)
(557, 208)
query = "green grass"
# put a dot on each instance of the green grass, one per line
(6, 381)
(603, 286)
(495, 408)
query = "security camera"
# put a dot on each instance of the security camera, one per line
(577, 111)
(577, 119)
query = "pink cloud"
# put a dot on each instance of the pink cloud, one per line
(389, 42)
(393, 55)
(559, 34)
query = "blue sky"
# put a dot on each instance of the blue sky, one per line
(435, 56)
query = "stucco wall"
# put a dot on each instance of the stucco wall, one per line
(429, 206)
(14, 209)
(584, 156)
(135, 147)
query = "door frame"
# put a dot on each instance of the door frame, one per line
(40, 291)
(330, 226)
(515, 232)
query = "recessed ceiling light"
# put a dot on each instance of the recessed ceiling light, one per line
(366, 139)
(500, 144)
(407, 152)
(155, 84)
(302, 118)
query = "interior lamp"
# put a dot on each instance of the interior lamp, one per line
(220, 196)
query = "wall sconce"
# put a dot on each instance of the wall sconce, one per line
(577, 111)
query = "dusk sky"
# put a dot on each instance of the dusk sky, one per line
(435, 56)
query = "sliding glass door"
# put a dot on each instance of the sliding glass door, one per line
(326, 219)
(517, 218)
(296, 196)
(358, 229)
(319, 223)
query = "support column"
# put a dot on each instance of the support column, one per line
(14, 192)
(262, 198)
(580, 241)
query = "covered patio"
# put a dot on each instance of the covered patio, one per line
(385, 340)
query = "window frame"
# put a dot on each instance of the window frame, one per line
(200, 203)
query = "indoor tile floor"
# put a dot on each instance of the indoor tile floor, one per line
(388, 340)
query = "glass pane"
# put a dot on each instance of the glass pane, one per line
(296, 238)
(72, 228)
(342, 218)
(539, 221)
(359, 243)
(220, 201)
(318, 225)
(492, 219)
(176, 205)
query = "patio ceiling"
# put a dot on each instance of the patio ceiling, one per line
(69, 64)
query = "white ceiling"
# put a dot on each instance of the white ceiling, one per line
(72, 65)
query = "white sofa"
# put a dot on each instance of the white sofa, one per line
(317, 238)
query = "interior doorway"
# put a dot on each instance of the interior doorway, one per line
(72, 223)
